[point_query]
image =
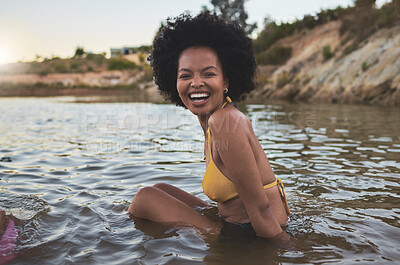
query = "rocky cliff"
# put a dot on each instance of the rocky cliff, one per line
(369, 74)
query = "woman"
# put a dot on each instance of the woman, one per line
(201, 63)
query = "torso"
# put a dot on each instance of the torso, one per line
(233, 210)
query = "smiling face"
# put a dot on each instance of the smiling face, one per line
(200, 81)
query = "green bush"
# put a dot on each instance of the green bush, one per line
(275, 56)
(142, 57)
(120, 64)
(387, 16)
(364, 66)
(396, 6)
(272, 33)
(261, 79)
(75, 65)
(144, 48)
(94, 56)
(365, 3)
(327, 15)
(282, 80)
(148, 74)
(309, 22)
(364, 19)
(98, 60)
(326, 52)
(60, 67)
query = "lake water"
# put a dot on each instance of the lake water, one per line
(69, 170)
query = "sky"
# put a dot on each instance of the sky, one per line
(51, 28)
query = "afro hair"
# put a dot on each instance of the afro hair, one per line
(234, 49)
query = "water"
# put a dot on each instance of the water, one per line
(69, 170)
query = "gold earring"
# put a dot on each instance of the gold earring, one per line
(226, 90)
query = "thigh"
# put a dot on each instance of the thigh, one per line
(158, 205)
(181, 195)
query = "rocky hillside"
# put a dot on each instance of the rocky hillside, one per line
(349, 55)
(369, 73)
(92, 74)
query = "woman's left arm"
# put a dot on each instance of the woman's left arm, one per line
(232, 132)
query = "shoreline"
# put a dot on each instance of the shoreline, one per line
(150, 95)
(120, 93)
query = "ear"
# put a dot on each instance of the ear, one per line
(226, 82)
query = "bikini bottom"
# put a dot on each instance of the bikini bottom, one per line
(245, 231)
(231, 233)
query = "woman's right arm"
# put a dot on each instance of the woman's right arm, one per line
(241, 165)
(240, 162)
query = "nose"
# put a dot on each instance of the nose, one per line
(197, 82)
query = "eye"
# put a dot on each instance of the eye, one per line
(209, 74)
(184, 76)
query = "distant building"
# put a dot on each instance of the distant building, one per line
(138, 55)
(115, 52)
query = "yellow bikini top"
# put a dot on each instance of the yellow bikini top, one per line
(216, 186)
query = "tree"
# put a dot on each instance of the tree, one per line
(396, 4)
(365, 3)
(38, 58)
(79, 52)
(233, 10)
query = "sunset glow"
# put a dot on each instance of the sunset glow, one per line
(3, 56)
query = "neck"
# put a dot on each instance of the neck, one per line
(203, 119)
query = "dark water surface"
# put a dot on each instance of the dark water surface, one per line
(69, 170)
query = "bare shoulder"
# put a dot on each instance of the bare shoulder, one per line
(229, 121)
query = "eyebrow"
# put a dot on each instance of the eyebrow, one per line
(204, 69)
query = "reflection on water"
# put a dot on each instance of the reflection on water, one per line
(68, 171)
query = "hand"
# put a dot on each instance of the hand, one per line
(284, 241)
(210, 235)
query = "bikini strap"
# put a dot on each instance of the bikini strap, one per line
(283, 195)
(270, 185)
(209, 141)
(228, 101)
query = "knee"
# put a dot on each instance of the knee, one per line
(144, 193)
(162, 186)
(141, 198)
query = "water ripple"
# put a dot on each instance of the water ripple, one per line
(68, 171)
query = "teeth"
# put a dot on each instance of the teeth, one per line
(199, 95)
